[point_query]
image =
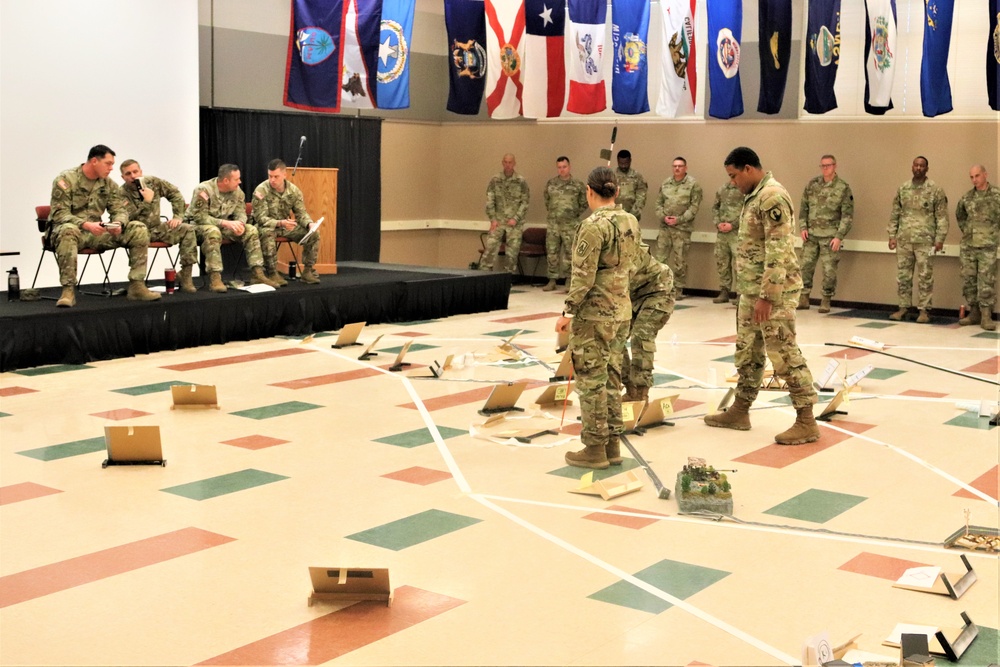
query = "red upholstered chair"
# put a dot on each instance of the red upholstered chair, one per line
(278, 240)
(42, 220)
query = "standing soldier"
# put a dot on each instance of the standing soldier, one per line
(826, 216)
(506, 205)
(726, 217)
(768, 281)
(677, 204)
(218, 210)
(631, 186)
(279, 210)
(978, 216)
(142, 201)
(651, 290)
(597, 316)
(565, 199)
(917, 228)
(80, 197)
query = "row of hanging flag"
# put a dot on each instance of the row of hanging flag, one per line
(355, 53)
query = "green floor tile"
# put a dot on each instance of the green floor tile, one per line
(507, 333)
(971, 420)
(988, 335)
(416, 347)
(984, 650)
(66, 449)
(681, 580)
(883, 374)
(730, 359)
(414, 323)
(49, 370)
(224, 484)
(276, 410)
(816, 505)
(876, 325)
(664, 378)
(681, 307)
(421, 436)
(785, 399)
(399, 535)
(149, 388)
(572, 472)
(4, 414)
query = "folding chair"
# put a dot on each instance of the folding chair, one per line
(156, 246)
(42, 220)
(533, 246)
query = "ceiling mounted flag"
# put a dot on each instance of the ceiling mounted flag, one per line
(679, 83)
(725, 30)
(935, 88)
(312, 69)
(465, 23)
(359, 81)
(630, 73)
(774, 30)
(505, 57)
(822, 55)
(880, 55)
(544, 74)
(993, 57)
(585, 43)
(394, 54)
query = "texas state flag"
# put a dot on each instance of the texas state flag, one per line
(544, 75)
(585, 37)
(504, 57)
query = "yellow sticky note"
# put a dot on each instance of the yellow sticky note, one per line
(667, 405)
(561, 393)
(627, 414)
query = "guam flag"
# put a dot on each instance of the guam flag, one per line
(394, 54)
(725, 30)
(465, 22)
(629, 33)
(545, 58)
(585, 41)
(935, 88)
(880, 54)
(822, 55)
(993, 56)
(359, 80)
(312, 70)
(774, 28)
(679, 83)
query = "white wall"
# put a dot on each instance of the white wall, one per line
(74, 74)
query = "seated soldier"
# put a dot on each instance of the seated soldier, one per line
(279, 210)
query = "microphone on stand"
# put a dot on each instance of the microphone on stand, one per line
(302, 142)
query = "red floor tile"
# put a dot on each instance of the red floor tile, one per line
(987, 367)
(331, 378)
(120, 414)
(15, 391)
(849, 353)
(922, 394)
(15, 493)
(681, 404)
(633, 522)
(724, 339)
(418, 475)
(255, 442)
(988, 483)
(410, 334)
(882, 567)
(466, 397)
(528, 318)
(238, 359)
(780, 456)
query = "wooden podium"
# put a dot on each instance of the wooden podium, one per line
(319, 189)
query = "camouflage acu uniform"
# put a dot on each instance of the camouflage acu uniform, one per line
(598, 299)
(631, 192)
(270, 206)
(652, 293)
(978, 216)
(827, 212)
(681, 199)
(76, 200)
(207, 209)
(565, 201)
(727, 208)
(506, 199)
(183, 235)
(919, 220)
(768, 269)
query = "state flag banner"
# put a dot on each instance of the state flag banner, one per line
(465, 23)
(630, 73)
(774, 31)
(725, 30)
(993, 56)
(504, 57)
(393, 91)
(822, 55)
(880, 55)
(312, 68)
(679, 81)
(935, 88)
(359, 80)
(544, 75)
(585, 37)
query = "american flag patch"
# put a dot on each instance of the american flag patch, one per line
(63, 185)
(203, 195)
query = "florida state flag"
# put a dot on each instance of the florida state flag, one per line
(504, 57)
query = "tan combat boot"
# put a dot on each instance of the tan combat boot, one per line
(986, 315)
(591, 456)
(974, 317)
(723, 296)
(309, 276)
(137, 291)
(67, 299)
(898, 315)
(184, 280)
(215, 282)
(550, 286)
(824, 305)
(736, 417)
(923, 317)
(275, 277)
(679, 294)
(257, 277)
(803, 302)
(805, 429)
(613, 450)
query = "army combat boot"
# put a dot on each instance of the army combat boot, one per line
(803, 302)
(550, 286)
(309, 276)
(973, 317)
(184, 280)
(275, 277)
(215, 282)
(923, 317)
(802, 431)
(899, 314)
(723, 296)
(68, 298)
(824, 305)
(986, 315)
(612, 450)
(137, 291)
(591, 456)
(736, 417)
(257, 277)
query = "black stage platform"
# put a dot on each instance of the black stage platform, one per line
(37, 333)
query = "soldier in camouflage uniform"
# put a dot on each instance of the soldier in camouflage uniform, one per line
(506, 206)
(676, 205)
(768, 281)
(79, 199)
(726, 217)
(597, 314)
(632, 186)
(978, 216)
(565, 199)
(142, 201)
(218, 210)
(826, 216)
(279, 210)
(651, 290)
(917, 228)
